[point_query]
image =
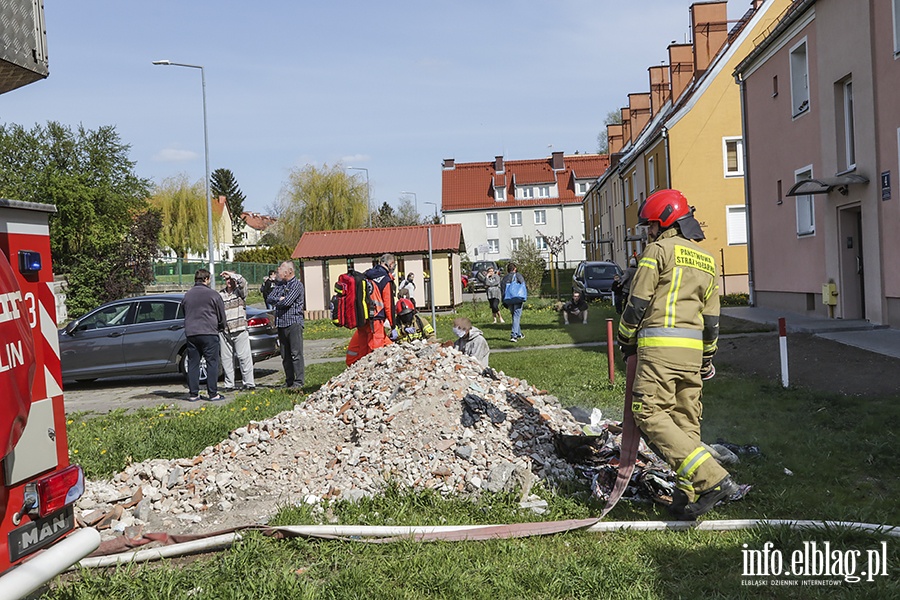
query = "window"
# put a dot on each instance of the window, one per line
(806, 214)
(774, 86)
(544, 191)
(526, 192)
(515, 243)
(846, 145)
(736, 224)
(896, 6)
(500, 194)
(515, 218)
(540, 217)
(541, 243)
(491, 219)
(799, 80)
(651, 173)
(153, 311)
(779, 196)
(581, 188)
(493, 246)
(734, 156)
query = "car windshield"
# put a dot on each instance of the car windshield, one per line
(600, 272)
(482, 266)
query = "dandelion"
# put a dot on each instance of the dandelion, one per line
(103, 451)
(70, 421)
(75, 451)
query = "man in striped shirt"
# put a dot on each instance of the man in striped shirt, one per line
(288, 298)
(235, 340)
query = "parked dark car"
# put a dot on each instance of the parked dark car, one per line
(595, 278)
(480, 266)
(144, 336)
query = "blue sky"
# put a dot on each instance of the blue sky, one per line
(394, 87)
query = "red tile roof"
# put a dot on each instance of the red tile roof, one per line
(372, 242)
(257, 221)
(469, 186)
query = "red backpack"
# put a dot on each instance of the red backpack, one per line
(351, 304)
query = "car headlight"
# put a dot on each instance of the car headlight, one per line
(591, 290)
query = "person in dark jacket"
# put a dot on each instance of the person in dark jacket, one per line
(204, 319)
(266, 288)
(576, 308)
(512, 274)
(289, 299)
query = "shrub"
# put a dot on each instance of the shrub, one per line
(735, 300)
(270, 255)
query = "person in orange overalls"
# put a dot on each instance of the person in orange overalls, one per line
(371, 335)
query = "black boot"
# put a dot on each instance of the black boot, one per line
(679, 503)
(706, 500)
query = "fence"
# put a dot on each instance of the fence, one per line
(181, 271)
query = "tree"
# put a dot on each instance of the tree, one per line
(88, 176)
(319, 199)
(384, 216)
(183, 209)
(223, 183)
(530, 264)
(612, 117)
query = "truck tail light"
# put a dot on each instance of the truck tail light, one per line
(60, 489)
(258, 322)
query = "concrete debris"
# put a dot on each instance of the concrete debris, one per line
(393, 417)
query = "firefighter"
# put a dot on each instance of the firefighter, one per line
(671, 321)
(409, 326)
(372, 334)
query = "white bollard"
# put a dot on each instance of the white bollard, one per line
(782, 342)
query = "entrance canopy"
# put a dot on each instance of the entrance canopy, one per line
(825, 184)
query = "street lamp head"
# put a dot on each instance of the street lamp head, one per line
(162, 62)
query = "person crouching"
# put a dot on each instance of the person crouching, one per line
(576, 308)
(470, 341)
(409, 325)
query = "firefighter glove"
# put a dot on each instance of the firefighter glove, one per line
(627, 350)
(707, 369)
(394, 335)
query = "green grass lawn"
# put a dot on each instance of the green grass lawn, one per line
(840, 453)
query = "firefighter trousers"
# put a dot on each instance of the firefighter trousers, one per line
(667, 408)
(365, 339)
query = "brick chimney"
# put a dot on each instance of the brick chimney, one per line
(626, 124)
(614, 138)
(681, 65)
(639, 108)
(556, 161)
(498, 164)
(448, 164)
(709, 30)
(660, 88)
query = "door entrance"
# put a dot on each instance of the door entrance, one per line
(852, 285)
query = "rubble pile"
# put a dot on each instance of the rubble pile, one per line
(418, 415)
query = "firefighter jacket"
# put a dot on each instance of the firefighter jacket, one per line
(417, 330)
(383, 295)
(672, 315)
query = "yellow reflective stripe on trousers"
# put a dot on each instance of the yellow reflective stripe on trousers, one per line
(693, 461)
(673, 296)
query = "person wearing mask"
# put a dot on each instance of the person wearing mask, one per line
(235, 340)
(289, 299)
(671, 322)
(409, 326)
(204, 319)
(515, 306)
(371, 334)
(491, 282)
(470, 341)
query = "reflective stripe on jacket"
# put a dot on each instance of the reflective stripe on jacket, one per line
(672, 314)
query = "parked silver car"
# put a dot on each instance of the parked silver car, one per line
(144, 336)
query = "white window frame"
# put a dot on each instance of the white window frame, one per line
(541, 243)
(806, 207)
(542, 213)
(799, 80)
(493, 246)
(491, 221)
(515, 218)
(736, 224)
(515, 243)
(651, 173)
(581, 188)
(895, 7)
(739, 150)
(543, 191)
(526, 192)
(849, 125)
(500, 194)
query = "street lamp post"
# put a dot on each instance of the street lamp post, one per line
(368, 202)
(209, 213)
(416, 200)
(435, 208)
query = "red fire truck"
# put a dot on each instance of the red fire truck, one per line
(39, 486)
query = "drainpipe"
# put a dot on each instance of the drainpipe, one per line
(751, 284)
